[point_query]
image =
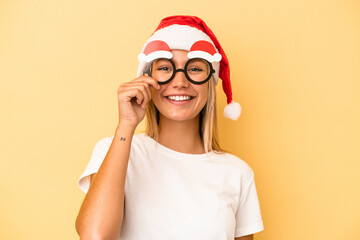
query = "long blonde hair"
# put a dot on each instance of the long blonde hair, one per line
(208, 128)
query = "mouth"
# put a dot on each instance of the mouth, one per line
(179, 99)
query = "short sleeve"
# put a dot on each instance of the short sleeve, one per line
(248, 215)
(99, 152)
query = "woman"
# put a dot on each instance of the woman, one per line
(173, 181)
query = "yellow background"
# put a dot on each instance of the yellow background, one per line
(295, 70)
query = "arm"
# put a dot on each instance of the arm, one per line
(101, 213)
(248, 237)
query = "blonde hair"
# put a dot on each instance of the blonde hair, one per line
(208, 128)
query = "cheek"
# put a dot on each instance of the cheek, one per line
(204, 92)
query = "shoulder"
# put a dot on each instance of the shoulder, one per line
(103, 145)
(235, 162)
(105, 141)
(141, 141)
(141, 144)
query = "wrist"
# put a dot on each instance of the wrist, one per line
(126, 129)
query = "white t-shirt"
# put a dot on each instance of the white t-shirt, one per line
(173, 195)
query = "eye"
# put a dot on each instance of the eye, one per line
(195, 69)
(164, 69)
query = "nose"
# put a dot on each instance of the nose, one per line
(179, 79)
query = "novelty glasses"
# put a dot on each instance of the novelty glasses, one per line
(196, 70)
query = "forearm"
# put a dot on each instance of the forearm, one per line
(101, 213)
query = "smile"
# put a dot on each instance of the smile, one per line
(179, 98)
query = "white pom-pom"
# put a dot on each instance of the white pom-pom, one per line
(142, 57)
(232, 110)
(217, 57)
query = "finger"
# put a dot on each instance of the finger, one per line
(144, 88)
(128, 94)
(137, 82)
(139, 96)
(147, 88)
(151, 81)
(149, 93)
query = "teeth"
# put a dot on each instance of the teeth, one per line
(179, 98)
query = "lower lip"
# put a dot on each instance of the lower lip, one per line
(179, 102)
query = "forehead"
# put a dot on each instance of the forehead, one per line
(179, 55)
(179, 52)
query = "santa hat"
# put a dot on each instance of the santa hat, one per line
(192, 34)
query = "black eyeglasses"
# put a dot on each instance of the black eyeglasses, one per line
(197, 70)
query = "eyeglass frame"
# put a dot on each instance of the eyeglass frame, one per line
(212, 71)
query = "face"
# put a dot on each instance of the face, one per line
(193, 98)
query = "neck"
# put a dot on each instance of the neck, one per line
(181, 136)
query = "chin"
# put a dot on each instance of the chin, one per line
(178, 116)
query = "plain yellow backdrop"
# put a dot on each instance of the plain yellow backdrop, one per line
(294, 70)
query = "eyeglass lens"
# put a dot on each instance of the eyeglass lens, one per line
(196, 69)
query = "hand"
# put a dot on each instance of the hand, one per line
(133, 98)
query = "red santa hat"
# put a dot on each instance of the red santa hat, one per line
(192, 34)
